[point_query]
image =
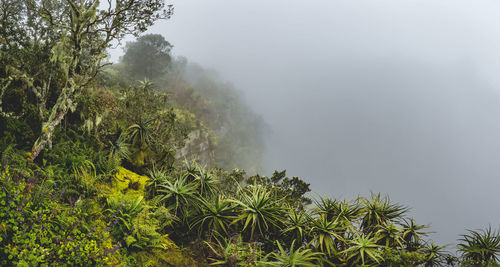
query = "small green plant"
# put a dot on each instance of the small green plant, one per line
(295, 257)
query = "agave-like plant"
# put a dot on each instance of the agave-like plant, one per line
(348, 213)
(294, 257)
(215, 216)
(326, 207)
(377, 210)
(120, 147)
(390, 235)
(363, 248)
(260, 210)
(412, 234)
(435, 255)
(206, 181)
(157, 177)
(296, 224)
(145, 84)
(450, 260)
(326, 234)
(191, 169)
(204, 178)
(480, 247)
(178, 195)
(139, 134)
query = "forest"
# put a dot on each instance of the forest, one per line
(155, 160)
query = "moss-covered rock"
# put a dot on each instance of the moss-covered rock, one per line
(128, 185)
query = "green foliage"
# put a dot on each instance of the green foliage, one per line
(122, 213)
(35, 228)
(59, 50)
(412, 234)
(218, 127)
(152, 130)
(229, 181)
(290, 190)
(157, 257)
(345, 212)
(204, 179)
(71, 165)
(20, 131)
(326, 235)
(235, 252)
(435, 255)
(138, 220)
(260, 210)
(394, 257)
(378, 210)
(480, 248)
(17, 160)
(179, 195)
(390, 235)
(363, 249)
(295, 257)
(157, 176)
(296, 225)
(215, 216)
(114, 188)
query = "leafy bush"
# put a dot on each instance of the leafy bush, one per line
(35, 228)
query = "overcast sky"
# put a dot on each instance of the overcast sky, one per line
(394, 96)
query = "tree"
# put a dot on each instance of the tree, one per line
(147, 57)
(73, 36)
(291, 190)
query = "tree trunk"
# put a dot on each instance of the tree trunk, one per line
(46, 137)
(58, 112)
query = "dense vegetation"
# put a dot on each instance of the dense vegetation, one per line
(137, 163)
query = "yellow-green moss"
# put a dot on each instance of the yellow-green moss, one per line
(127, 185)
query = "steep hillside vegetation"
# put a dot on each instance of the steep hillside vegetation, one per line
(140, 163)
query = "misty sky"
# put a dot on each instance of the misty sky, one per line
(394, 96)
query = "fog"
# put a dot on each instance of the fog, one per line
(399, 97)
